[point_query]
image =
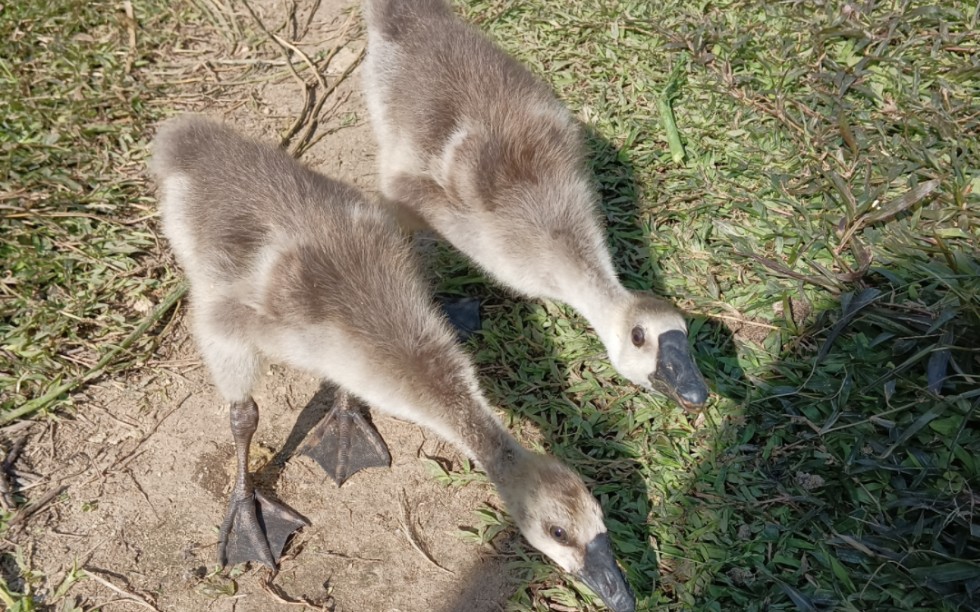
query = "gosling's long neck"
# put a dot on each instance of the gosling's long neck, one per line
(503, 459)
(596, 293)
(483, 437)
(445, 397)
(486, 440)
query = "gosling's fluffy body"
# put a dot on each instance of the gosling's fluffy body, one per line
(286, 263)
(474, 146)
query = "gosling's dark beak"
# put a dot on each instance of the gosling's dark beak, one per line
(604, 577)
(677, 375)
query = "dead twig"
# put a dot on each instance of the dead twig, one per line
(13, 429)
(413, 537)
(277, 594)
(309, 89)
(330, 111)
(224, 19)
(131, 25)
(306, 58)
(309, 101)
(127, 595)
(146, 497)
(740, 320)
(330, 553)
(33, 507)
(304, 142)
(275, 39)
(309, 18)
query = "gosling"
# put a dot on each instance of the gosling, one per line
(474, 147)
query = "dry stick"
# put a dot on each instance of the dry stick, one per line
(122, 463)
(72, 215)
(310, 118)
(146, 497)
(253, 61)
(131, 24)
(26, 513)
(127, 595)
(735, 319)
(309, 18)
(14, 453)
(97, 370)
(306, 58)
(308, 101)
(291, 20)
(413, 537)
(274, 39)
(230, 20)
(303, 144)
(208, 8)
(330, 553)
(276, 593)
(308, 90)
(331, 131)
(7, 501)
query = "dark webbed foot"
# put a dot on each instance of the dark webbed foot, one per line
(345, 442)
(256, 529)
(463, 314)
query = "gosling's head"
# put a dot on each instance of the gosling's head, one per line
(559, 517)
(650, 348)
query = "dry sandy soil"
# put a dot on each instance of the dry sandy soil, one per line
(140, 472)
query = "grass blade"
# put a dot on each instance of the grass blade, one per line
(95, 371)
(906, 200)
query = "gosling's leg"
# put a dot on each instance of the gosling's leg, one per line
(255, 527)
(344, 441)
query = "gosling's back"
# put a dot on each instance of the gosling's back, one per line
(232, 208)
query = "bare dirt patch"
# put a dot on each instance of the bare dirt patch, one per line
(140, 472)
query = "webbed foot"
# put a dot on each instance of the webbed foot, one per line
(256, 529)
(345, 442)
(463, 314)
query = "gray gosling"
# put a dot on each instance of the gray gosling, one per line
(472, 145)
(286, 263)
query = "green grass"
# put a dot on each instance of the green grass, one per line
(834, 292)
(813, 203)
(82, 267)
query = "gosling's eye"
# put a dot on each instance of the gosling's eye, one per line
(559, 535)
(637, 336)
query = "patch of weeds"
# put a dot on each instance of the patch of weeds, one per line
(19, 585)
(82, 265)
(60, 594)
(490, 523)
(217, 584)
(14, 601)
(454, 478)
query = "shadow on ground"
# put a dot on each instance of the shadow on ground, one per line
(809, 482)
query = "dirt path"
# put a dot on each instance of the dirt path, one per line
(144, 466)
